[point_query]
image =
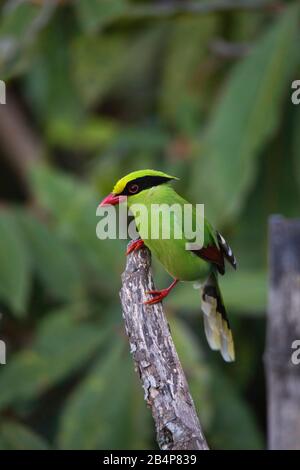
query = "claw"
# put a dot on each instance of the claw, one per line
(134, 245)
(152, 301)
(159, 295)
(154, 292)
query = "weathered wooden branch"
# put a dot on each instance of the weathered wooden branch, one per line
(156, 360)
(283, 329)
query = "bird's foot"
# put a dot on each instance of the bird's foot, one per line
(159, 295)
(134, 245)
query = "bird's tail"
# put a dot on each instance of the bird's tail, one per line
(216, 324)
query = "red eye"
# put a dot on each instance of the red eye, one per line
(133, 189)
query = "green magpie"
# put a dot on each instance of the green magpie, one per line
(148, 187)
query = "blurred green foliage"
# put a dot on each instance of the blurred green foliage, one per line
(107, 87)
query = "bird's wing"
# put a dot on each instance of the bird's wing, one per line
(215, 249)
(212, 254)
(227, 251)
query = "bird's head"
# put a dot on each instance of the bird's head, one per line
(134, 183)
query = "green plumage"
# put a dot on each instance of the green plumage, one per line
(145, 189)
(172, 253)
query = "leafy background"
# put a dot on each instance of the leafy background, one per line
(96, 89)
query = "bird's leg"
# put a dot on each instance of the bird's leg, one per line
(134, 245)
(159, 295)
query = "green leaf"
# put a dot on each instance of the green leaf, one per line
(246, 118)
(95, 14)
(56, 265)
(16, 436)
(62, 345)
(103, 405)
(15, 269)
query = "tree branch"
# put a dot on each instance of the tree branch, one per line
(156, 360)
(283, 334)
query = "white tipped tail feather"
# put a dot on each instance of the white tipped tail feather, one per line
(216, 324)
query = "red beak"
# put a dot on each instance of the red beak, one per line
(112, 200)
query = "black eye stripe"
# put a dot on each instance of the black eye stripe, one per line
(144, 182)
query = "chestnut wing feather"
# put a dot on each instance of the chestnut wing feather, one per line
(212, 254)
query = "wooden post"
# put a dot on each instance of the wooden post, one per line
(156, 360)
(283, 331)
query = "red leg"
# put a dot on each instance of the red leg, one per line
(159, 295)
(134, 245)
